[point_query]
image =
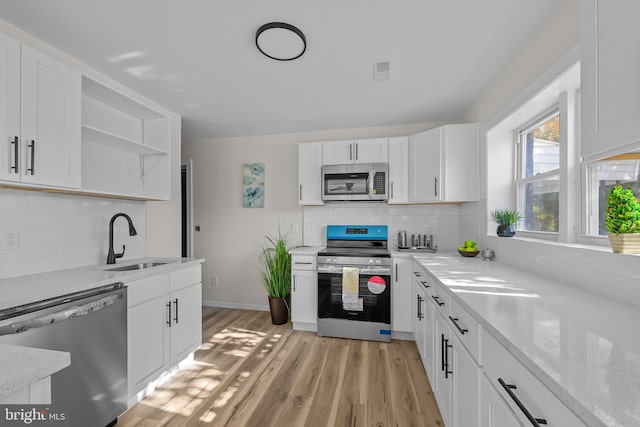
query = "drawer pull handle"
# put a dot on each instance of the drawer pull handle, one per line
(425, 284)
(437, 300)
(303, 263)
(455, 323)
(508, 388)
(417, 274)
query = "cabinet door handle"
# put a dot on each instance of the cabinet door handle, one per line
(435, 186)
(356, 151)
(32, 146)
(442, 350)
(16, 151)
(169, 306)
(396, 273)
(447, 346)
(350, 151)
(420, 307)
(437, 300)
(508, 388)
(455, 323)
(300, 192)
(391, 185)
(176, 303)
(294, 283)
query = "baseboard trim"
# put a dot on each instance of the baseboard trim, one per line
(241, 306)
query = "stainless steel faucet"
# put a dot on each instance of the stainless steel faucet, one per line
(112, 256)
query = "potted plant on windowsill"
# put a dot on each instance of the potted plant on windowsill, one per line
(275, 272)
(506, 220)
(622, 220)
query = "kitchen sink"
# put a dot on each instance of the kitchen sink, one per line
(139, 266)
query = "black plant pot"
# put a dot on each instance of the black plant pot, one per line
(279, 309)
(506, 231)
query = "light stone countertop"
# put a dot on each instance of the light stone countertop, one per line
(15, 291)
(306, 250)
(22, 366)
(583, 347)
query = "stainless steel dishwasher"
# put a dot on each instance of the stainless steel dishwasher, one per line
(92, 326)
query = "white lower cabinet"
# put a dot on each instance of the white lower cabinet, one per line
(444, 370)
(304, 292)
(465, 375)
(401, 295)
(164, 324)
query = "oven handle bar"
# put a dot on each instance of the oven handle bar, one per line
(337, 269)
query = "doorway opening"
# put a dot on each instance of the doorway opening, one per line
(187, 229)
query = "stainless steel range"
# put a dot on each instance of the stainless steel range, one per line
(354, 283)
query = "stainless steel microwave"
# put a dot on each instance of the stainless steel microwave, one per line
(363, 181)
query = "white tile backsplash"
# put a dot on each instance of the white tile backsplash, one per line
(60, 231)
(439, 220)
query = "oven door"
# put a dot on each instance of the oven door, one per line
(374, 294)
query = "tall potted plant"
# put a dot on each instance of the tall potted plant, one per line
(275, 272)
(622, 220)
(506, 219)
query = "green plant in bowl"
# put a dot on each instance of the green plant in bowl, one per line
(506, 219)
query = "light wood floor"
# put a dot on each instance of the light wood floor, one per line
(252, 373)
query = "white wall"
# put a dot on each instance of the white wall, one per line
(230, 236)
(57, 231)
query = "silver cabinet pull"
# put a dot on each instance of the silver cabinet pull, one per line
(169, 307)
(176, 303)
(435, 186)
(32, 148)
(16, 151)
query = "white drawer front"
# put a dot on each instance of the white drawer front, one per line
(466, 328)
(499, 364)
(303, 262)
(142, 290)
(185, 277)
(441, 298)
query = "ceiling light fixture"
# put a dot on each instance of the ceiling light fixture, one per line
(281, 41)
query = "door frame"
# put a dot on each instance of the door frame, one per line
(186, 177)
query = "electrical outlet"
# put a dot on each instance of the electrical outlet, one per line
(9, 239)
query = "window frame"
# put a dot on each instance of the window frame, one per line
(521, 181)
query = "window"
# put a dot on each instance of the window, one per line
(538, 169)
(601, 177)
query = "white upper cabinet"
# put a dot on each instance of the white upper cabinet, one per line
(50, 121)
(40, 104)
(398, 170)
(424, 167)
(373, 150)
(309, 173)
(443, 164)
(9, 108)
(610, 78)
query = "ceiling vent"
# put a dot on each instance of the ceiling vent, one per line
(381, 71)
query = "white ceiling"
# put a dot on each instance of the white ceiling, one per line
(198, 57)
